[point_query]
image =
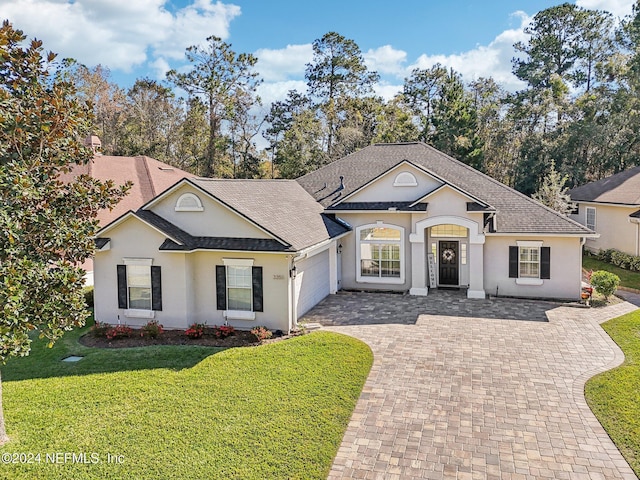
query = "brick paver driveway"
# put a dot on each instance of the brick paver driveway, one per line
(470, 397)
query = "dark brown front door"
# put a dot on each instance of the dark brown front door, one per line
(448, 263)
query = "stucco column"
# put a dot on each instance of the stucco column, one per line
(476, 268)
(418, 265)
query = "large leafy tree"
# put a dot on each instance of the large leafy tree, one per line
(151, 121)
(221, 78)
(46, 226)
(336, 73)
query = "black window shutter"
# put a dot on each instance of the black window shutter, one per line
(221, 287)
(545, 263)
(122, 286)
(156, 288)
(513, 262)
(256, 280)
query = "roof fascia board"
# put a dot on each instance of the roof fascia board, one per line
(607, 204)
(528, 234)
(130, 214)
(454, 188)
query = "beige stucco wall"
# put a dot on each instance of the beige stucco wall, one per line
(566, 263)
(349, 246)
(188, 282)
(382, 190)
(612, 223)
(275, 277)
(215, 221)
(134, 239)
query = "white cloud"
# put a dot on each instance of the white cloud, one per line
(386, 60)
(160, 66)
(387, 91)
(493, 60)
(619, 8)
(271, 91)
(283, 63)
(119, 33)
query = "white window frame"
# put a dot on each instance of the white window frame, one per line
(586, 218)
(368, 279)
(405, 179)
(529, 280)
(139, 312)
(238, 314)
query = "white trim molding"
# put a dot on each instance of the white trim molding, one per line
(193, 203)
(475, 237)
(240, 314)
(238, 262)
(139, 313)
(143, 262)
(405, 179)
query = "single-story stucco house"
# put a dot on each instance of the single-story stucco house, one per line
(611, 207)
(390, 217)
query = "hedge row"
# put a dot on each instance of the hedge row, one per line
(619, 259)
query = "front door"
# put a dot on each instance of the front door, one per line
(448, 263)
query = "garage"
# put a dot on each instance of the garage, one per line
(312, 281)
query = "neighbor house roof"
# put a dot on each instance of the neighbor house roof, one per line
(515, 212)
(150, 177)
(622, 188)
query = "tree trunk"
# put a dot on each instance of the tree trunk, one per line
(3, 433)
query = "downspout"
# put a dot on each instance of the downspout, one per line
(291, 279)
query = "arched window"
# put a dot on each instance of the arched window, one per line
(380, 253)
(188, 202)
(405, 179)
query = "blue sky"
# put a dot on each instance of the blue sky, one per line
(144, 38)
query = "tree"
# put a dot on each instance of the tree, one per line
(337, 71)
(108, 100)
(553, 192)
(300, 150)
(566, 40)
(151, 121)
(46, 226)
(219, 76)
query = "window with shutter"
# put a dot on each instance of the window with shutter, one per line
(529, 263)
(239, 288)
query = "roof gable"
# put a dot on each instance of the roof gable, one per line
(404, 182)
(516, 213)
(215, 219)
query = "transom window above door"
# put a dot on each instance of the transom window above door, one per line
(380, 253)
(448, 231)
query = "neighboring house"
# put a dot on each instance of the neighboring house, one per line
(149, 177)
(391, 217)
(611, 207)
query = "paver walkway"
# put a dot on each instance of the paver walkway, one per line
(455, 396)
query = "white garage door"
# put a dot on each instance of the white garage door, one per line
(312, 281)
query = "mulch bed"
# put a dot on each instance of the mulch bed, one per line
(177, 337)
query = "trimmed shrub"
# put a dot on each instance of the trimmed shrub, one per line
(605, 283)
(151, 329)
(100, 329)
(88, 296)
(619, 259)
(261, 333)
(196, 330)
(119, 331)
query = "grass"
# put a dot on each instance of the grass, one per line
(274, 411)
(614, 396)
(627, 278)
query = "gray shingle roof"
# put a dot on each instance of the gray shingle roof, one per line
(281, 207)
(623, 187)
(516, 213)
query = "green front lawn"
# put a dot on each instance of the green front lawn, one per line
(274, 411)
(627, 278)
(614, 396)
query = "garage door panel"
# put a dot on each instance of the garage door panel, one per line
(312, 281)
